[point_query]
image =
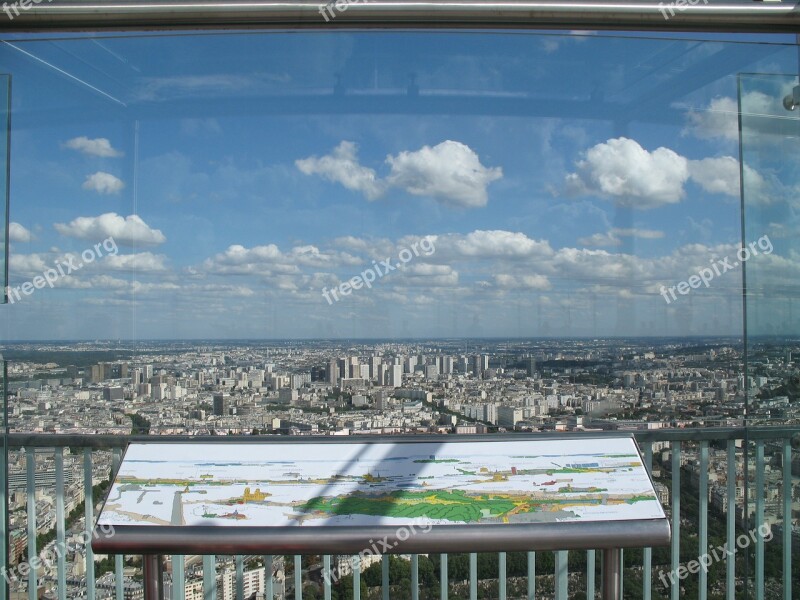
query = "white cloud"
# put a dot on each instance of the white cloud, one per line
(426, 275)
(269, 260)
(521, 282)
(128, 231)
(614, 236)
(140, 262)
(721, 176)
(450, 172)
(490, 244)
(342, 166)
(600, 240)
(716, 175)
(93, 147)
(635, 232)
(621, 169)
(103, 183)
(18, 233)
(720, 119)
(26, 264)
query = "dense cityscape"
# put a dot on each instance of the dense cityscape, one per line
(371, 387)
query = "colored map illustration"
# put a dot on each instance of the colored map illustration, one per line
(312, 484)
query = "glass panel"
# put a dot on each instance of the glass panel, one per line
(5, 165)
(254, 233)
(769, 108)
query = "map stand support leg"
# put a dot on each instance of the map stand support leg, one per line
(612, 573)
(153, 577)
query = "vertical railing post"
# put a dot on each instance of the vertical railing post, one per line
(501, 568)
(473, 576)
(30, 471)
(759, 520)
(787, 519)
(119, 574)
(178, 578)
(61, 536)
(562, 575)
(675, 550)
(702, 539)
(385, 577)
(730, 523)
(88, 503)
(209, 577)
(326, 581)
(612, 574)
(415, 577)
(4, 525)
(268, 584)
(590, 568)
(647, 554)
(298, 577)
(356, 579)
(239, 577)
(444, 584)
(531, 575)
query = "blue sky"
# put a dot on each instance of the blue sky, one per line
(563, 179)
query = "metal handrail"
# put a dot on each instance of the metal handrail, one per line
(103, 441)
(64, 15)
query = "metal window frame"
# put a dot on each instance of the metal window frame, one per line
(116, 15)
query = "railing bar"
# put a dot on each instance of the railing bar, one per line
(415, 577)
(385, 577)
(590, 568)
(178, 578)
(531, 575)
(787, 519)
(326, 581)
(759, 521)
(119, 581)
(239, 577)
(88, 503)
(501, 567)
(675, 550)
(473, 576)
(621, 573)
(730, 522)
(61, 526)
(269, 591)
(30, 471)
(209, 577)
(647, 554)
(107, 441)
(702, 549)
(356, 579)
(298, 577)
(444, 584)
(561, 574)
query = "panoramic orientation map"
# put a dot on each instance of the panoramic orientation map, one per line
(455, 483)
